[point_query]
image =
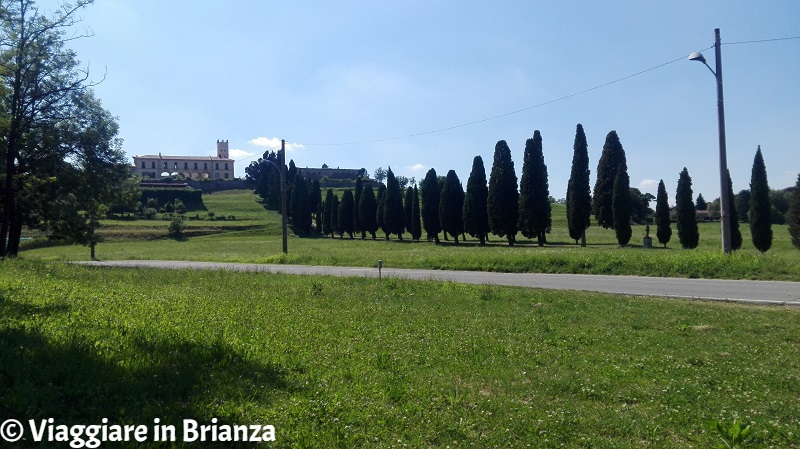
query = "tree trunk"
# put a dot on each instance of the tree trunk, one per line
(583, 238)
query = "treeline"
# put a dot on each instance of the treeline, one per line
(61, 162)
(505, 207)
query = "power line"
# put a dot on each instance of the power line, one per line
(762, 40)
(256, 155)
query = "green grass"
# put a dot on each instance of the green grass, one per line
(256, 238)
(348, 362)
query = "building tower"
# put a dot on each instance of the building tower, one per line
(222, 149)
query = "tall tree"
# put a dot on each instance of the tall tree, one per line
(301, 212)
(327, 224)
(700, 203)
(379, 212)
(357, 226)
(335, 229)
(688, 234)
(621, 208)
(416, 227)
(534, 203)
(451, 206)
(663, 228)
(379, 175)
(41, 80)
(315, 196)
(476, 213)
(793, 217)
(579, 197)
(742, 205)
(368, 210)
(612, 158)
(503, 202)
(346, 211)
(760, 205)
(393, 217)
(430, 205)
(736, 233)
(291, 173)
(407, 206)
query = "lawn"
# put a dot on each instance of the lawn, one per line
(349, 362)
(254, 236)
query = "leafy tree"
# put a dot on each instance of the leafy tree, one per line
(346, 212)
(327, 223)
(379, 217)
(503, 202)
(402, 181)
(416, 228)
(579, 198)
(688, 233)
(620, 206)
(611, 160)
(43, 89)
(451, 206)
(301, 213)
(357, 227)
(663, 228)
(760, 206)
(476, 214)
(430, 205)
(393, 217)
(534, 204)
(736, 233)
(367, 211)
(743, 205)
(793, 217)
(379, 174)
(407, 206)
(700, 203)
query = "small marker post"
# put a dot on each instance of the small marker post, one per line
(380, 265)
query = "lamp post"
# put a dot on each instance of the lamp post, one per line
(281, 171)
(724, 201)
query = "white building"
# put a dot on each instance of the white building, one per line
(194, 167)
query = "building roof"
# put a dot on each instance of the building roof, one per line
(186, 158)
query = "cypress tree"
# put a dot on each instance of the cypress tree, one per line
(534, 203)
(316, 200)
(393, 216)
(327, 225)
(301, 215)
(476, 214)
(451, 206)
(379, 213)
(612, 158)
(407, 207)
(291, 172)
(760, 205)
(700, 203)
(416, 228)
(579, 197)
(503, 201)
(368, 210)
(663, 230)
(793, 216)
(736, 233)
(335, 229)
(357, 227)
(430, 205)
(688, 233)
(346, 213)
(621, 207)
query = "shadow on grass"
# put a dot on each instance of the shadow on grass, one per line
(129, 379)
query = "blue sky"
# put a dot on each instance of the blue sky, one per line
(181, 74)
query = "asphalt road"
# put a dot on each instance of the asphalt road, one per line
(754, 292)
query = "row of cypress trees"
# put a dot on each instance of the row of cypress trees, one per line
(499, 207)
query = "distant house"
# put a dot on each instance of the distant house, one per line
(192, 167)
(333, 174)
(700, 215)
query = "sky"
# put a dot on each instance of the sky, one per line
(414, 85)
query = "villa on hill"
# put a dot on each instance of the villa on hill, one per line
(192, 167)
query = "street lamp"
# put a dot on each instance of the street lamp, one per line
(724, 200)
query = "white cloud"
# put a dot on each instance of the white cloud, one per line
(648, 184)
(274, 143)
(236, 153)
(417, 167)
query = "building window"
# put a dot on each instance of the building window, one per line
(216, 165)
(205, 165)
(195, 165)
(166, 166)
(226, 166)
(153, 164)
(143, 164)
(176, 166)
(226, 176)
(216, 175)
(185, 165)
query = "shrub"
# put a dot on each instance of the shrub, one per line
(176, 227)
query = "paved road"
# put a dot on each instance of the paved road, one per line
(756, 292)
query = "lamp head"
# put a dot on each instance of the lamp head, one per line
(697, 56)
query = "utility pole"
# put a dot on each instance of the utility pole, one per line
(724, 201)
(283, 196)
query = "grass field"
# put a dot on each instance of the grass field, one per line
(254, 236)
(346, 362)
